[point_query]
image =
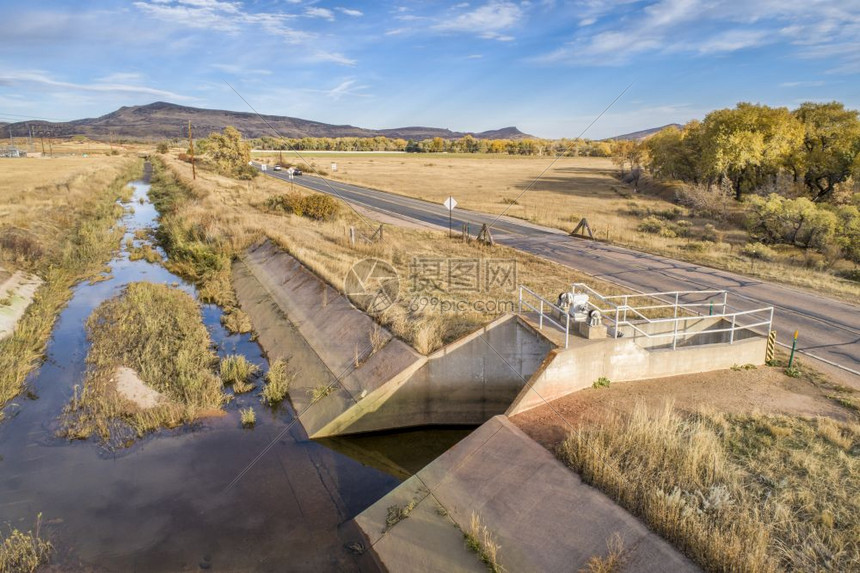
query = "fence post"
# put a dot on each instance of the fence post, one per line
(541, 314)
(725, 300)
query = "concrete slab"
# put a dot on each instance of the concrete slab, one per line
(16, 293)
(539, 511)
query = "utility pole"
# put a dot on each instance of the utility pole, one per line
(191, 150)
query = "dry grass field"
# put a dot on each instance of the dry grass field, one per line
(228, 215)
(571, 189)
(58, 219)
(744, 470)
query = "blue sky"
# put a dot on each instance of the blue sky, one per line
(548, 67)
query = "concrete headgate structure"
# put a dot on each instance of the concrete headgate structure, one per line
(353, 376)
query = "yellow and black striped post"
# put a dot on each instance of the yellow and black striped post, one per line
(771, 342)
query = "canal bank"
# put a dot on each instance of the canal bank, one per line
(196, 497)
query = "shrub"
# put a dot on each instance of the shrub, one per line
(317, 206)
(320, 207)
(710, 233)
(759, 251)
(602, 382)
(277, 382)
(162, 147)
(650, 224)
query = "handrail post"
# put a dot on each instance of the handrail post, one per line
(616, 322)
(676, 308)
(725, 300)
(521, 299)
(566, 329)
(625, 308)
(732, 336)
(541, 314)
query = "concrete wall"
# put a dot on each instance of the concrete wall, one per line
(327, 341)
(466, 382)
(539, 512)
(623, 359)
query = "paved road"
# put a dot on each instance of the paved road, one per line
(829, 329)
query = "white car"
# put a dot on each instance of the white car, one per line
(277, 167)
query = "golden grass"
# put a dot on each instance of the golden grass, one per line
(734, 492)
(158, 332)
(24, 552)
(215, 218)
(572, 189)
(248, 417)
(278, 381)
(64, 233)
(236, 371)
(481, 540)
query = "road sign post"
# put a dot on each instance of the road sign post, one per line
(450, 203)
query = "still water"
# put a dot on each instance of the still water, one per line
(164, 503)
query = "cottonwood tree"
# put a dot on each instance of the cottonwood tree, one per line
(748, 144)
(831, 146)
(230, 153)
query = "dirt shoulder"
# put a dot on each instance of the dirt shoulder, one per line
(764, 390)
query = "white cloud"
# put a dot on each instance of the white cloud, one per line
(801, 84)
(487, 21)
(45, 82)
(324, 13)
(615, 33)
(734, 40)
(351, 12)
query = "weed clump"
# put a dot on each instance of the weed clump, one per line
(397, 513)
(248, 417)
(235, 372)
(602, 382)
(319, 392)
(277, 382)
(24, 552)
(480, 539)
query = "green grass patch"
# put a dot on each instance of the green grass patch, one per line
(157, 331)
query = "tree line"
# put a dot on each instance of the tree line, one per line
(465, 144)
(797, 171)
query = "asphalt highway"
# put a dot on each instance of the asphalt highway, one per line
(829, 330)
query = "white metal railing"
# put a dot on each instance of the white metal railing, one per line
(617, 307)
(618, 311)
(544, 306)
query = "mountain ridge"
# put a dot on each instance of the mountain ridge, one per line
(164, 120)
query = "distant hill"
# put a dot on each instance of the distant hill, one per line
(162, 120)
(644, 134)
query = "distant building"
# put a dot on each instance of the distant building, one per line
(12, 152)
